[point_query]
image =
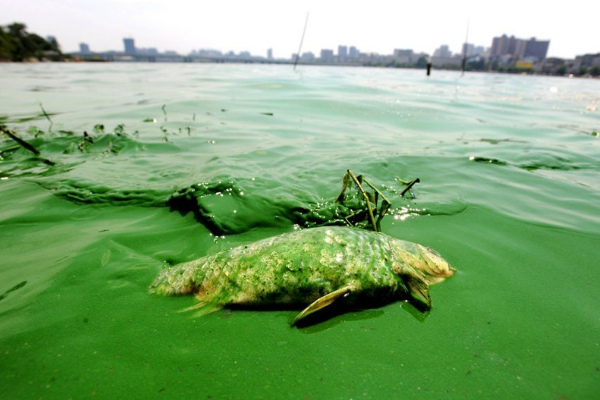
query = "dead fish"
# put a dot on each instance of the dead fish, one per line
(315, 266)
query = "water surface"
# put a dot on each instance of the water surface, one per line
(509, 194)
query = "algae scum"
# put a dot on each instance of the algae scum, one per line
(313, 267)
(138, 168)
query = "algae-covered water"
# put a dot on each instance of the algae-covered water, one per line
(144, 165)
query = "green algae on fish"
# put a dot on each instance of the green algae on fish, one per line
(313, 267)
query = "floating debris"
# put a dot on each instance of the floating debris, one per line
(372, 207)
(314, 267)
(24, 144)
(487, 160)
(12, 289)
(212, 204)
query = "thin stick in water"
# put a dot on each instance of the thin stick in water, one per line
(21, 142)
(301, 41)
(409, 185)
(464, 55)
(45, 113)
(12, 134)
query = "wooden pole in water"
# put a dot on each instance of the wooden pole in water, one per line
(464, 58)
(301, 40)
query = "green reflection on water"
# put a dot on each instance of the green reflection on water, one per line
(519, 319)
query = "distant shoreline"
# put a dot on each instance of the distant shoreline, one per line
(199, 60)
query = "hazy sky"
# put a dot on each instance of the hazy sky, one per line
(372, 26)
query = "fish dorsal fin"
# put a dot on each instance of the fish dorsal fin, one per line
(322, 302)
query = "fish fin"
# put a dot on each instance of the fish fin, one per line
(322, 302)
(419, 291)
(202, 309)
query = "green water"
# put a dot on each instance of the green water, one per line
(509, 194)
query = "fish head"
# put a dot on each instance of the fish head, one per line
(419, 267)
(433, 266)
(420, 262)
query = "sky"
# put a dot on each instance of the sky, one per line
(372, 26)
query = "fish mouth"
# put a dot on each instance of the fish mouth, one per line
(434, 268)
(441, 276)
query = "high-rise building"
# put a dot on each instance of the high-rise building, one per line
(129, 46)
(353, 52)
(503, 45)
(511, 47)
(470, 50)
(443, 52)
(308, 56)
(536, 48)
(342, 51)
(326, 55)
(403, 55)
(270, 54)
(84, 48)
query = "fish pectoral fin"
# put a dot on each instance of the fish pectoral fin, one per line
(419, 291)
(322, 302)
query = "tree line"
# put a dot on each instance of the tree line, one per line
(16, 44)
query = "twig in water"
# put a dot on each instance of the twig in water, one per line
(385, 204)
(13, 136)
(46, 114)
(367, 199)
(409, 185)
(31, 148)
(379, 210)
(164, 110)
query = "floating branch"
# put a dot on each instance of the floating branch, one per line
(367, 199)
(408, 185)
(376, 205)
(23, 143)
(379, 211)
(13, 136)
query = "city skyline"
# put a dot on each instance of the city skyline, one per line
(239, 26)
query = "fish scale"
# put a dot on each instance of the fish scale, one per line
(310, 266)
